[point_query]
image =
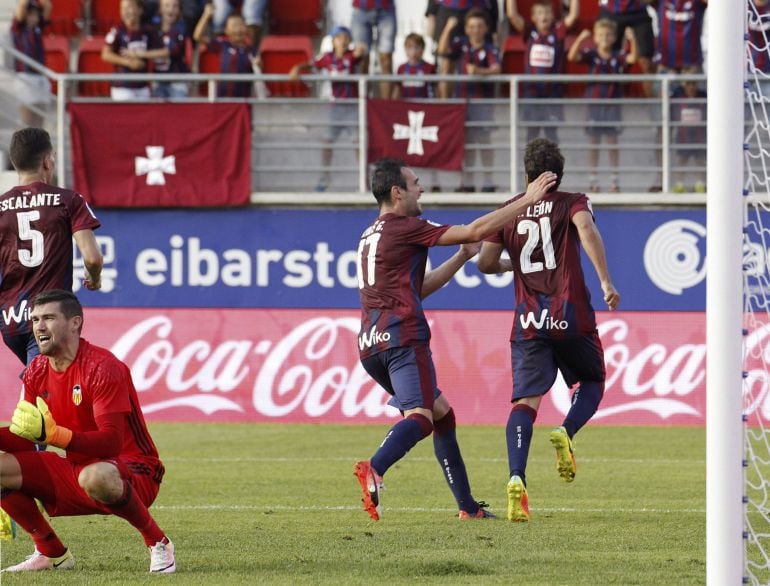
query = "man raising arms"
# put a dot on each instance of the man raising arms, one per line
(394, 339)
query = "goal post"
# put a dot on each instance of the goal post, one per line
(724, 293)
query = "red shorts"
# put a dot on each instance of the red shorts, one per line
(53, 480)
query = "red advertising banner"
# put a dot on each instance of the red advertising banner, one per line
(422, 135)
(296, 365)
(162, 155)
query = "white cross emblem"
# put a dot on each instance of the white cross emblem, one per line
(415, 132)
(155, 165)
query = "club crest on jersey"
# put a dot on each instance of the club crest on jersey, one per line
(77, 395)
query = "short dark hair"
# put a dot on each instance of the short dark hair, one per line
(29, 146)
(543, 155)
(386, 174)
(67, 300)
(415, 38)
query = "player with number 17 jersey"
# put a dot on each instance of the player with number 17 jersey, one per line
(552, 300)
(37, 222)
(393, 253)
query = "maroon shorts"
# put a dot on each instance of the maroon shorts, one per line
(53, 480)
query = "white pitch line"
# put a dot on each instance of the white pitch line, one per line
(352, 459)
(319, 508)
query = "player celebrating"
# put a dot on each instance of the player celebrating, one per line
(554, 326)
(394, 339)
(37, 224)
(78, 397)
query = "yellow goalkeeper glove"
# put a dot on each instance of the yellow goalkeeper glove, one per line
(37, 425)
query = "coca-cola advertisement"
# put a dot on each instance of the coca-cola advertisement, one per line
(299, 365)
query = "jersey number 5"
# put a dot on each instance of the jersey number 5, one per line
(535, 231)
(34, 257)
(367, 248)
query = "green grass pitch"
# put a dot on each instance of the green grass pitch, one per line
(278, 504)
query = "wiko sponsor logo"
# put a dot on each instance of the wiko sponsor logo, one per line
(372, 338)
(16, 313)
(544, 322)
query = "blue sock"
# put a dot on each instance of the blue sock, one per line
(585, 402)
(451, 461)
(401, 438)
(518, 434)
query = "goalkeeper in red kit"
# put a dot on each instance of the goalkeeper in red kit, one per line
(80, 398)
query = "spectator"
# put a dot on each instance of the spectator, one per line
(544, 37)
(439, 13)
(603, 60)
(236, 54)
(633, 14)
(414, 46)
(32, 89)
(122, 47)
(376, 18)
(681, 26)
(252, 11)
(474, 55)
(688, 113)
(172, 36)
(338, 62)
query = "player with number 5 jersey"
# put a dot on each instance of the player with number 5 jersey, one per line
(37, 223)
(394, 337)
(554, 328)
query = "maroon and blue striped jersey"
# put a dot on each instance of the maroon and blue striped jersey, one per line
(175, 40)
(36, 226)
(392, 255)
(417, 88)
(759, 37)
(622, 6)
(552, 300)
(339, 67)
(597, 65)
(464, 5)
(681, 25)
(545, 55)
(374, 4)
(120, 39)
(28, 41)
(234, 59)
(464, 54)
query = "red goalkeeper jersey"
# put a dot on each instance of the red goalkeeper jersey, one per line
(95, 384)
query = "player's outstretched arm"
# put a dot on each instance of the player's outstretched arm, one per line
(92, 258)
(440, 276)
(594, 247)
(490, 223)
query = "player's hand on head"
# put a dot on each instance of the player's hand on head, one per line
(537, 189)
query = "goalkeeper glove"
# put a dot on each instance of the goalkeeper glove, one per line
(36, 424)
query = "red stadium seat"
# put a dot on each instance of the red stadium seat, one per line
(208, 62)
(279, 54)
(104, 15)
(575, 89)
(296, 17)
(57, 55)
(589, 14)
(90, 61)
(65, 17)
(514, 55)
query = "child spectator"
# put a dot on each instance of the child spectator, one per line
(688, 114)
(633, 14)
(122, 47)
(544, 37)
(445, 17)
(338, 62)
(172, 36)
(380, 16)
(251, 10)
(236, 54)
(32, 89)
(681, 26)
(414, 46)
(603, 60)
(474, 55)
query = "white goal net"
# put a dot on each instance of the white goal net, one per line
(756, 288)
